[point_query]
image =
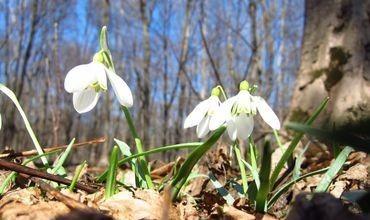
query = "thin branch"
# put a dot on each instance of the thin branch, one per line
(215, 71)
(68, 201)
(51, 148)
(33, 172)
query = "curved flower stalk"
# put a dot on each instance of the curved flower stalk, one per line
(238, 111)
(203, 113)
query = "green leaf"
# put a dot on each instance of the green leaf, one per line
(192, 159)
(221, 190)
(293, 144)
(154, 150)
(77, 175)
(110, 187)
(342, 137)
(261, 199)
(63, 158)
(333, 170)
(287, 185)
(254, 173)
(298, 162)
(14, 99)
(124, 148)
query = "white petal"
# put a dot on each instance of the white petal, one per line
(231, 129)
(203, 127)
(85, 101)
(121, 89)
(80, 77)
(267, 113)
(196, 116)
(222, 114)
(244, 126)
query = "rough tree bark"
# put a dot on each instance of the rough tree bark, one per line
(335, 62)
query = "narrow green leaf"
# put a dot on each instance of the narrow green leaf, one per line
(77, 175)
(342, 137)
(221, 189)
(333, 170)
(192, 159)
(293, 144)
(286, 186)
(299, 161)
(254, 173)
(261, 198)
(14, 99)
(110, 186)
(154, 150)
(63, 157)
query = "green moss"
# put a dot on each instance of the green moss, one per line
(317, 73)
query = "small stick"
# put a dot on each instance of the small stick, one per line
(33, 172)
(68, 201)
(53, 148)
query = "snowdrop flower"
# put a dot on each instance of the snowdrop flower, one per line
(203, 113)
(238, 112)
(87, 81)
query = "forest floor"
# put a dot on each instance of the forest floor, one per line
(200, 200)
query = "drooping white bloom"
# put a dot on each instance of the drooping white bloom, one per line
(202, 114)
(238, 111)
(87, 81)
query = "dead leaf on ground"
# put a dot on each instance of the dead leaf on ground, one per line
(236, 214)
(357, 172)
(40, 210)
(145, 204)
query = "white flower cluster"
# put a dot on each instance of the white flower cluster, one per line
(236, 113)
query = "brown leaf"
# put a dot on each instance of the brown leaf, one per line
(235, 214)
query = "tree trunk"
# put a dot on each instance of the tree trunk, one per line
(335, 63)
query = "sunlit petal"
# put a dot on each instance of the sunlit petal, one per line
(203, 127)
(82, 76)
(121, 89)
(222, 114)
(267, 113)
(85, 101)
(196, 116)
(244, 125)
(231, 129)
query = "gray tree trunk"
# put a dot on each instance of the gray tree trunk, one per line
(335, 63)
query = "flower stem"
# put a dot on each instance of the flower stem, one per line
(139, 147)
(241, 166)
(222, 91)
(253, 156)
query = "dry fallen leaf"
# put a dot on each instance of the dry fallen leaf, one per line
(40, 210)
(145, 204)
(356, 172)
(236, 214)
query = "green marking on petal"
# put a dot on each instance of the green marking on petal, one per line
(98, 87)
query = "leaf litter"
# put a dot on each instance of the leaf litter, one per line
(200, 199)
